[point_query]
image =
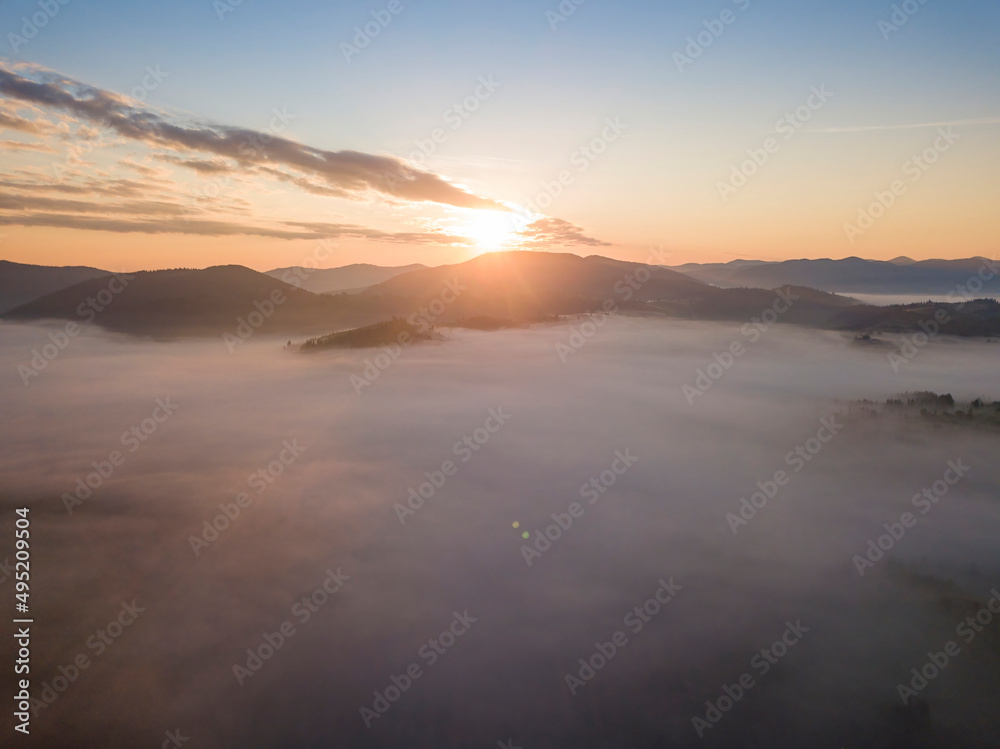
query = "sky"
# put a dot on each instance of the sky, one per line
(139, 135)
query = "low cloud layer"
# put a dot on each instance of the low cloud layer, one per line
(665, 517)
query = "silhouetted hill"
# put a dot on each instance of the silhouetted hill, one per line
(850, 275)
(531, 285)
(980, 317)
(395, 331)
(819, 309)
(20, 283)
(495, 290)
(347, 278)
(203, 302)
(716, 274)
(805, 306)
(930, 409)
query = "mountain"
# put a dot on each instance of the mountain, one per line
(851, 275)
(533, 285)
(20, 283)
(206, 302)
(380, 334)
(820, 309)
(490, 291)
(333, 280)
(809, 307)
(503, 288)
(716, 274)
(514, 287)
(977, 318)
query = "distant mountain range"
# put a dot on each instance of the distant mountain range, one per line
(20, 283)
(505, 288)
(349, 278)
(530, 285)
(171, 303)
(851, 275)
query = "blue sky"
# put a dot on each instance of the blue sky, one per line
(686, 128)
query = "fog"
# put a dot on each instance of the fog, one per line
(333, 507)
(887, 300)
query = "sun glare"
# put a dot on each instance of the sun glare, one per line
(493, 230)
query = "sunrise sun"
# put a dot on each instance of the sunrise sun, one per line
(492, 230)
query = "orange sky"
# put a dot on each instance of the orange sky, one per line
(103, 179)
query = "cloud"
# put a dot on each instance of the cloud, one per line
(32, 198)
(137, 207)
(355, 174)
(555, 231)
(304, 183)
(113, 187)
(346, 230)
(201, 227)
(203, 166)
(143, 206)
(914, 126)
(14, 145)
(665, 516)
(12, 121)
(149, 172)
(172, 220)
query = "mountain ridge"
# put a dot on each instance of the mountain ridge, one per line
(853, 275)
(23, 282)
(513, 288)
(347, 278)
